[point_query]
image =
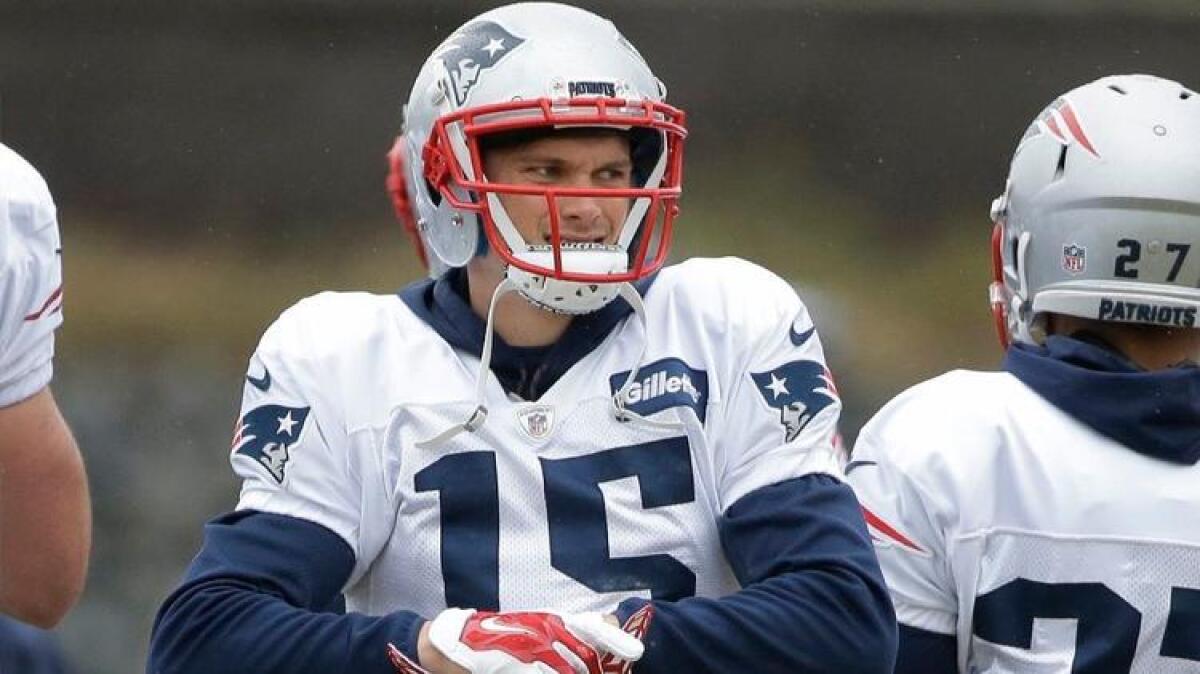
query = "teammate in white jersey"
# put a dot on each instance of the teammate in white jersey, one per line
(550, 437)
(45, 516)
(1047, 518)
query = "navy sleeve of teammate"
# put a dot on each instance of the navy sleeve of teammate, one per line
(257, 600)
(29, 650)
(812, 599)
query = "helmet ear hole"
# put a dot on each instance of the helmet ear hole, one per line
(1061, 167)
(435, 197)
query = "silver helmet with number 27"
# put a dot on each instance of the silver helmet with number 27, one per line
(526, 67)
(1100, 217)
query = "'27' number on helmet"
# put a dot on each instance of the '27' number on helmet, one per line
(1127, 261)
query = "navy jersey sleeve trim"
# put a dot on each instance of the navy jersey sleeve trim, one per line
(812, 599)
(261, 597)
(923, 652)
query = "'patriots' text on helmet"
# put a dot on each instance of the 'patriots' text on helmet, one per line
(522, 68)
(1100, 217)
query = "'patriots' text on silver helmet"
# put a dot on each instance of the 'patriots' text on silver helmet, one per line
(1101, 212)
(526, 67)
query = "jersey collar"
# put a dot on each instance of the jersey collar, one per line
(526, 371)
(1153, 413)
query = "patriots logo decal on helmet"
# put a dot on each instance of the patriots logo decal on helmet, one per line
(1062, 123)
(799, 390)
(265, 434)
(469, 52)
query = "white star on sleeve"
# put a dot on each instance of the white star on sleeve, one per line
(778, 386)
(285, 423)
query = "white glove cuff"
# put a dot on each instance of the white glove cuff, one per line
(445, 633)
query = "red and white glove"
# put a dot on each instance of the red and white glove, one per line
(636, 626)
(531, 643)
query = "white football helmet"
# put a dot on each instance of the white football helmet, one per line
(1101, 211)
(521, 67)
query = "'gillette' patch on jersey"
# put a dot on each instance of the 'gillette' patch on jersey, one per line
(799, 390)
(265, 434)
(1139, 312)
(663, 384)
(468, 53)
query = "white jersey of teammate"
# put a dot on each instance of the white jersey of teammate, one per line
(553, 503)
(30, 279)
(1042, 544)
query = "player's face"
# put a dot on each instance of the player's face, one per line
(586, 161)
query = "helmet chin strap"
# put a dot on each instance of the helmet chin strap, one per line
(621, 397)
(479, 415)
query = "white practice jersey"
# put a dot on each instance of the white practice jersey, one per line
(553, 503)
(30, 279)
(1043, 545)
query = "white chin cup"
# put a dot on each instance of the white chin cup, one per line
(570, 297)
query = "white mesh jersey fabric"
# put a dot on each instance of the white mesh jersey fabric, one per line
(1002, 520)
(553, 503)
(30, 279)
(1100, 579)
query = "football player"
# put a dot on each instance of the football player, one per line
(45, 515)
(1045, 518)
(552, 436)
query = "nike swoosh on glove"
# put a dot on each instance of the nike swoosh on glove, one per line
(527, 643)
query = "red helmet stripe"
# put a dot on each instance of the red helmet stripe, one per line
(1068, 115)
(1052, 126)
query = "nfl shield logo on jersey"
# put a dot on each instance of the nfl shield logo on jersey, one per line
(536, 420)
(1074, 258)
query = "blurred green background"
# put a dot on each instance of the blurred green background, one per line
(215, 161)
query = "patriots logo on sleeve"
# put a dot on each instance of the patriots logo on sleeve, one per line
(265, 434)
(469, 52)
(799, 390)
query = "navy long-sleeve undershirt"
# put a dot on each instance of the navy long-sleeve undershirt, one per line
(813, 599)
(256, 599)
(923, 652)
